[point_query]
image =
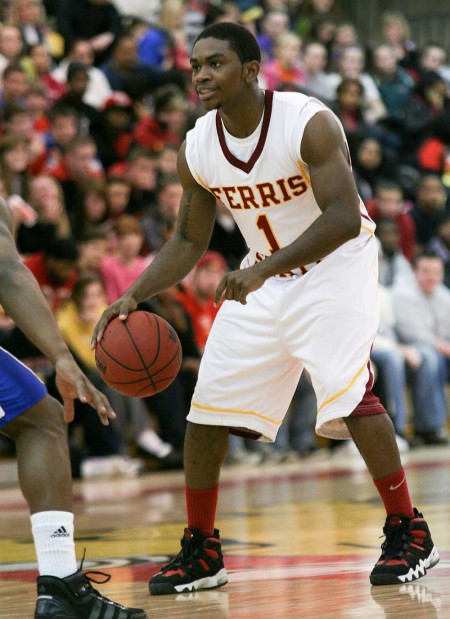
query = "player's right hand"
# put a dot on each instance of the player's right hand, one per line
(122, 307)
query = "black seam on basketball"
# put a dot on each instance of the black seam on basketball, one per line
(147, 367)
(116, 384)
(161, 380)
(130, 382)
(177, 352)
(139, 352)
(119, 363)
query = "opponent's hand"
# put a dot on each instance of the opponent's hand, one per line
(122, 307)
(237, 285)
(73, 384)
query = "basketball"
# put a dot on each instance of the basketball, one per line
(139, 356)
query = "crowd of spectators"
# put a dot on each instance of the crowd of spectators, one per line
(95, 101)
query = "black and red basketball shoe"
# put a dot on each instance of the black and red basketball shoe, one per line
(407, 552)
(199, 565)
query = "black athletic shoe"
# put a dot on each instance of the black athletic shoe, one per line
(407, 552)
(73, 597)
(199, 565)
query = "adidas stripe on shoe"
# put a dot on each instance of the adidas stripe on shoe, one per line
(199, 565)
(407, 552)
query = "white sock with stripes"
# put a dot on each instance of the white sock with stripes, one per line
(53, 540)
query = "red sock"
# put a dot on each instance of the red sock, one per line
(394, 493)
(201, 505)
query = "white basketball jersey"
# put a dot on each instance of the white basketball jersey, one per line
(261, 179)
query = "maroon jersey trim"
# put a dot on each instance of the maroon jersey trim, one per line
(237, 163)
(367, 217)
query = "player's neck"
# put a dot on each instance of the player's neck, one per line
(242, 119)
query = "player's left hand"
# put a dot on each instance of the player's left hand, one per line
(237, 285)
(73, 384)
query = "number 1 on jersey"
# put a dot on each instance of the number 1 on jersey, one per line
(263, 224)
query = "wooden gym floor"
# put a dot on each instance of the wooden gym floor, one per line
(299, 539)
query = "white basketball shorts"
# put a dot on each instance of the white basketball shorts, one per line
(324, 321)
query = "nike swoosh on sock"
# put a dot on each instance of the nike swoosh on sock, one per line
(391, 487)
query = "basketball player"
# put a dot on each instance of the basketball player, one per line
(35, 422)
(305, 296)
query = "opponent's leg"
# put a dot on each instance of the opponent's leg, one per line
(41, 442)
(40, 435)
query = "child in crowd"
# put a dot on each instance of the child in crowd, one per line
(120, 269)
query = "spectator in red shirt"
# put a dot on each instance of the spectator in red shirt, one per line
(35, 101)
(55, 269)
(63, 128)
(19, 122)
(167, 124)
(286, 67)
(41, 64)
(197, 297)
(434, 153)
(78, 163)
(388, 203)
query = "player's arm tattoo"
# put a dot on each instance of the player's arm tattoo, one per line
(185, 212)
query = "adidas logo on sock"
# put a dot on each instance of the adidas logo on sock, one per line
(61, 532)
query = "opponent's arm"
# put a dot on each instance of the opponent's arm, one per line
(178, 256)
(332, 182)
(22, 299)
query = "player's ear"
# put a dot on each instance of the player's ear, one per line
(251, 70)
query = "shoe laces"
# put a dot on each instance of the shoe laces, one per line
(396, 540)
(190, 549)
(90, 574)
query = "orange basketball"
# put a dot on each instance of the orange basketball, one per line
(139, 356)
